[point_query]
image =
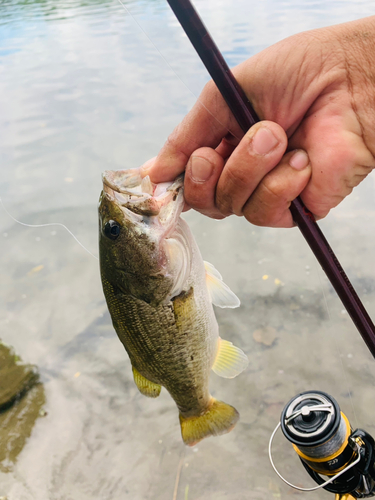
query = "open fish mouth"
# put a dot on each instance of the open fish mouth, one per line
(139, 195)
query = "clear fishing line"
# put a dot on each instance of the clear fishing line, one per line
(58, 224)
(185, 85)
(47, 225)
(339, 352)
(174, 72)
(178, 77)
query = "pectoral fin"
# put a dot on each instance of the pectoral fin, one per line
(146, 387)
(178, 263)
(230, 360)
(220, 293)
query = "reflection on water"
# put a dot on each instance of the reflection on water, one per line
(83, 89)
(30, 10)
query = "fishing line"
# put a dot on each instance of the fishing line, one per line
(185, 85)
(339, 351)
(46, 225)
(178, 473)
(173, 71)
(192, 93)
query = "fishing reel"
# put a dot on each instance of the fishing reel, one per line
(326, 445)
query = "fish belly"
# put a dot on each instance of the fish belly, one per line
(172, 345)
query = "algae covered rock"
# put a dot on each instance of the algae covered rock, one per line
(21, 401)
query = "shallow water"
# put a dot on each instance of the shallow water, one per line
(83, 89)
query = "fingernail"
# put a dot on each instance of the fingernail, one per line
(201, 169)
(299, 160)
(264, 141)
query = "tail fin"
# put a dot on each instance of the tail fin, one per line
(220, 418)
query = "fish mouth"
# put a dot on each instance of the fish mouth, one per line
(140, 196)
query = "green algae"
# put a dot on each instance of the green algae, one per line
(21, 401)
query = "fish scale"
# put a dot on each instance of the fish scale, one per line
(160, 292)
(133, 318)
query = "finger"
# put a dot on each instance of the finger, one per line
(260, 150)
(227, 146)
(205, 125)
(147, 167)
(144, 172)
(202, 173)
(269, 204)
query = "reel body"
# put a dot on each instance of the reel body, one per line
(358, 481)
(322, 437)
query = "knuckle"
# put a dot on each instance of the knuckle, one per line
(237, 177)
(212, 214)
(196, 199)
(208, 89)
(257, 215)
(224, 204)
(272, 188)
(320, 205)
(172, 140)
(230, 196)
(351, 181)
(226, 194)
(261, 215)
(178, 143)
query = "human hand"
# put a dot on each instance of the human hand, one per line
(315, 93)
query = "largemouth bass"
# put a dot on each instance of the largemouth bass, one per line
(160, 292)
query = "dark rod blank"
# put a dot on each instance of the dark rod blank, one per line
(245, 115)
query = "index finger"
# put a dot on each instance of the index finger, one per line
(204, 126)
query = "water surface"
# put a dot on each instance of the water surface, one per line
(89, 86)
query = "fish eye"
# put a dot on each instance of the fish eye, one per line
(112, 229)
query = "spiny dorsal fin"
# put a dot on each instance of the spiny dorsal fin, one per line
(220, 293)
(145, 386)
(230, 360)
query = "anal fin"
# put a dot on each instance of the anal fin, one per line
(145, 386)
(230, 361)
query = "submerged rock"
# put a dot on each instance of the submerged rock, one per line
(21, 401)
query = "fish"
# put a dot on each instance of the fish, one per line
(160, 295)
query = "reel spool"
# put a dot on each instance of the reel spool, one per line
(323, 439)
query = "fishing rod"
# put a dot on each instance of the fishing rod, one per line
(245, 115)
(312, 421)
